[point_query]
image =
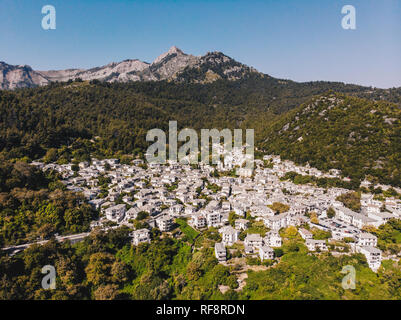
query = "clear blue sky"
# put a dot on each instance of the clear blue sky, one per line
(291, 39)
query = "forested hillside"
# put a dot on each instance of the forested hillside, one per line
(34, 206)
(64, 117)
(358, 136)
(106, 266)
(34, 120)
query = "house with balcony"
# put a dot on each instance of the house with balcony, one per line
(305, 234)
(165, 223)
(241, 224)
(140, 236)
(213, 219)
(220, 252)
(198, 221)
(272, 239)
(366, 239)
(229, 235)
(314, 245)
(266, 253)
(253, 240)
(373, 256)
(116, 213)
(276, 222)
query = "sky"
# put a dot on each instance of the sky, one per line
(301, 40)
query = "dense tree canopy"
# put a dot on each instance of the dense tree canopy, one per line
(362, 138)
(35, 206)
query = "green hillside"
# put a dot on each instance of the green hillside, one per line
(34, 120)
(358, 136)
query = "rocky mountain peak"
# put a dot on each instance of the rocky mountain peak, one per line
(174, 65)
(20, 76)
(172, 51)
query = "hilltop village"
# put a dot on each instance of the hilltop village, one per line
(249, 213)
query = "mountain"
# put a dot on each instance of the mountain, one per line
(211, 91)
(174, 65)
(36, 119)
(361, 137)
(13, 77)
(214, 66)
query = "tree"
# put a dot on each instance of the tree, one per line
(74, 220)
(370, 229)
(279, 207)
(242, 235)
(193, 271)
(290, 232)
(313, 218)
(352, 200)
(231, 218)
(142, 215)
(331, 213)
(49, 214)
(51, 155)
(98, 270)
(107, 292)
(120, 272)
(278, 252)
(321, 234)
(46, 230)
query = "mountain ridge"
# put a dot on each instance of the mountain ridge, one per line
(19, 76)
(168, 66)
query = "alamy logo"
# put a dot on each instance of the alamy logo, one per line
(349, 20)
(49, 20)
(49, 281)
(189, 151)
(349, 280)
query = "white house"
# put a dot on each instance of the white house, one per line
(253, 240)
(229, 235)
(373, 256)
(189, 209)
(115, 213)
(272, 239)
(226, 206)
(140, 236)
(241, 224)
(276, 222)
(165, 223)
(96, 203)
(353, 218)
(345, 214)
(373, 208)
(359, 220)
(266, 253)
(313, 245)
(132, 213)
(239, 209)
(305, 234)
(199, 221)
(248, 249)
(220, 252)
(380, 217)
(366, 239)
(176, 209)
(213, 219)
